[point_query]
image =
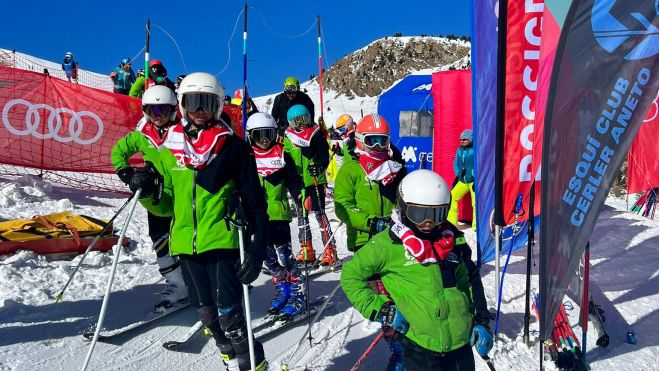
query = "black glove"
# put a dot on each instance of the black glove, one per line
(250, 269)
(314, 169)
(149, 181)
(394, 325)
(379, 224)
(125, 174)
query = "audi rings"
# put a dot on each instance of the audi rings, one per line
(54, 123)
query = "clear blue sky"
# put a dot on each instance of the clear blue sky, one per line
(100, 33)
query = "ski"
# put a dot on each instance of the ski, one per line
(192, 331)
(315, 268)
(596, 316)
(279, 325)
(149, 318)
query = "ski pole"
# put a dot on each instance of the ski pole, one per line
(104, 305)
(368, 351)
(248, 311)
(323, 218)
(487, 360)
(306, 260)
(58, 297)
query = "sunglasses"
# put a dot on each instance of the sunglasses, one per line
(259, 135)
(418, 214)
(375, 140)
(158, 110)
(204, 102)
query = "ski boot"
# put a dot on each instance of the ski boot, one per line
(281, 297)
(296, 304)
(176, 292)
(230, 361)
(396, 360)
(329, 257)
(309, 257)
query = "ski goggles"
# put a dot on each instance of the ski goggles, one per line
(418, 214)
(290, 89)
(344, 129)
(158, 110)
(299, 122)
(375, 140)
(204, 102)
(259, 135)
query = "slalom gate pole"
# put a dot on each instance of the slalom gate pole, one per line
(368, 351)
(518, 211)
(320, 68)
(323, 218)
(248, 310)
(244, 104)
(529, 252)
(58, 297)
(146, 48)
(584, 300)
(104, 305)
(315, 319)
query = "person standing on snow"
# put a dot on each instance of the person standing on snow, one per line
(436, 305)
(123, 77)
(157, 76)
(277, 174)
(365, 194)
(310, 151)
(345, 127)
(290, 97)
(70, 67)
(208, 167)
(159, 107)
(463, 166)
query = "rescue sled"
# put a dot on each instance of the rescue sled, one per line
(54, 234)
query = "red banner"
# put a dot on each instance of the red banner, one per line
(522, 63)
(642, 164)
(451, 92)
(51, 124)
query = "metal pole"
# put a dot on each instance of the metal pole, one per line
(248, 309)
(146, 48)
(104, 305)
(320, 67)
(244, 105)
(529, 253)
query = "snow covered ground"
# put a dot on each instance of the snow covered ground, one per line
(38, 334)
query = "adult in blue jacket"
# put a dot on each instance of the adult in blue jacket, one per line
(463, 166)
(123, 77)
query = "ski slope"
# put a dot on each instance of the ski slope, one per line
(38, 334)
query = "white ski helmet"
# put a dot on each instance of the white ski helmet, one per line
(423, 195)
(159, 95)
(201, 82)
(261, 120)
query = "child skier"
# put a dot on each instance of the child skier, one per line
(310, 151)
(159, 107)
(436, 305)
(207, 168)
(277, 174)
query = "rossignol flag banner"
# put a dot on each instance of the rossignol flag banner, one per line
(603, 81)
(484, 70)
(642, 164)
(51, 124)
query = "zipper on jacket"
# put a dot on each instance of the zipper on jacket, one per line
(194, 213)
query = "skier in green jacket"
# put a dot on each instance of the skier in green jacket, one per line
(436, 305)
(310, 151)
(365, 187)
(159, 107)
(208, 168)
(277, 174)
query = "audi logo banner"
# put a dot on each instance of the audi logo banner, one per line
(51, 124)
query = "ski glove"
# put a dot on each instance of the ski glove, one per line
(314, 169)
(393, 323)
(250, 269)
(481, 338)
(125, 174)
(149, 181)
(379, 224)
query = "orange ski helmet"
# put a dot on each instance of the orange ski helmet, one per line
(345, 125)
(372, 132)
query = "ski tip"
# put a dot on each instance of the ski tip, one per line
(170, 344)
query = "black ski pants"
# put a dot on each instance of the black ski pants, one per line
(418, 358)
(158, 227)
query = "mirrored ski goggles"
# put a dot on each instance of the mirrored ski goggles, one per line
(300, 122)
(204, 102)
(158, 110)
(375, 140)
(344, 129)
(259, 135)
(290, 89)
(418, 214)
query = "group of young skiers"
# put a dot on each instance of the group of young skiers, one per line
(411, 270)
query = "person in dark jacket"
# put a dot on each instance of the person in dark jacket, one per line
(70, 67)
(290, 97)
(463, 166)
(123, 77)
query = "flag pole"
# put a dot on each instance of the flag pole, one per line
(146, 48)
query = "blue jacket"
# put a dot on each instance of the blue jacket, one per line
(123, 79)
(69, 64)
(464, 164)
